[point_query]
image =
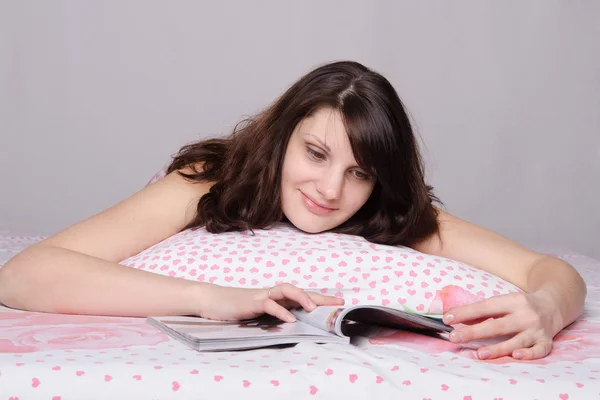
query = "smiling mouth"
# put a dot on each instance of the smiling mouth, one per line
(316, 207)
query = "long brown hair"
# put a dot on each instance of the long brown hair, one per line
(246, 166)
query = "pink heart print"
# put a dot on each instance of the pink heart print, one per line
(328, 263)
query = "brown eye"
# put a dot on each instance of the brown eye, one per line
(315, 154)
(361, 175)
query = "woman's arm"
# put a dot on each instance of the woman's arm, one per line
(58, 280)
(77, 270)
(558, 281)
(557, 289)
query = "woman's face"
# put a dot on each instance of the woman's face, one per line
(322, 186)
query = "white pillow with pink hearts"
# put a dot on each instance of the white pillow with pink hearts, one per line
(334, 264)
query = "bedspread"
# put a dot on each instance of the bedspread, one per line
(50, 356)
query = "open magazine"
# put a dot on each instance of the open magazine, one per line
(322, 325)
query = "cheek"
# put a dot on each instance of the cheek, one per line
(287, 171)
(358, 196)
(296, 170)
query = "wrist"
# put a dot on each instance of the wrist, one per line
(551, 304)
(198, 297)
(557, 283)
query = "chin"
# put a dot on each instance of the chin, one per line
(310, 229)
(309, 226)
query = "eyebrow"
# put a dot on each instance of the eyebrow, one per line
(322, 143)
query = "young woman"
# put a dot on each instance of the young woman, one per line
(335, 152)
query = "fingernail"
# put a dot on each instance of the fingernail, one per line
(291, 318)
(518, 354)
(483, 354)
(455, 336)
(448, 318)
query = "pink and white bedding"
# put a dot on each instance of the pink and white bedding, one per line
(48, 356)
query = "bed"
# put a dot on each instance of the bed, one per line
(48, 356)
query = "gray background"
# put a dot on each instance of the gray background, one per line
(96, 96)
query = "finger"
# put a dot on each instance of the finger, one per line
(489, 328)
(477, 321)
(481, 310)
(539, 350)
(287, 292)
(321, 300)
(505, 348)
(271, 307)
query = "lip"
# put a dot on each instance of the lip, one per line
(316, 207)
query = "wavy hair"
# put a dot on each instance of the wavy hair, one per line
(245, 168)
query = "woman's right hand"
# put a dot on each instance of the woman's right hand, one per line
(234, 304)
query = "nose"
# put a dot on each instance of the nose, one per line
(330, 185)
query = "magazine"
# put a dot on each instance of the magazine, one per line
(325, 324)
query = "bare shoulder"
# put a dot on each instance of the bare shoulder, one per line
(147, 217)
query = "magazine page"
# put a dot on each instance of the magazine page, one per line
(210, 335)
(343, 321)
(323, 318)
(393, 318)
(206, 329)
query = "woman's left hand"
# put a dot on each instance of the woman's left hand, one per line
(532, 318)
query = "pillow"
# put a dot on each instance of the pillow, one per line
(330, 263)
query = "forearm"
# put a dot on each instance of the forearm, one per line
(559, 281)
(57, 280)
